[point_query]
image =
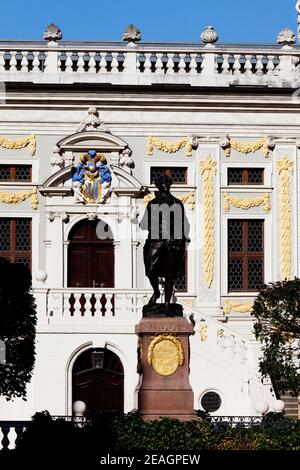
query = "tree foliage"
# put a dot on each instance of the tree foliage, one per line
(277, 326)
(17, 329)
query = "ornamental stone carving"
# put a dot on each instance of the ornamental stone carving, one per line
(208, 171)
(57, 160)
(240, 307)
(18, 197)
(91, 179)
(126, 160)
(92, 215)
(285, 168)
(65, 217)
(286, 37)
(209, 35)
(28, 141)
(92, 122)
(265, 144)
(52, 33)
(169, 147)
(247, 203)
(132, 34)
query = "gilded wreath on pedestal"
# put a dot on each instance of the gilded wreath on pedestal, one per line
(165, 354)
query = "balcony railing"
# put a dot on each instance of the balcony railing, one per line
(61, 305)
(144, 64)
(95, 303)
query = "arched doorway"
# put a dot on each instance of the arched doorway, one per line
(98, 380)
(90, 258)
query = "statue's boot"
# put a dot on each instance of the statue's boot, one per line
(169, 287)
(154, 298)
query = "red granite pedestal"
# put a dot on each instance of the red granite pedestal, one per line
(164, 364)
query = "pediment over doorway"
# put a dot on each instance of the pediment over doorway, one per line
(59, 183)
(71, 154)
(99, 141)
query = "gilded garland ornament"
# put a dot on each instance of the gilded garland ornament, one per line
(169, 147)
(18, 197)
(248, 147)
(208, 171)
(185, 199)
(188, 199)
(230, 306)
(165, 354)
(247, 203)
(28, 141)
(284, 168)
(148, 198)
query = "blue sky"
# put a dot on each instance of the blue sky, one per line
(158, 20)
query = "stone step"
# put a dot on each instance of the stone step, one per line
(291, 406)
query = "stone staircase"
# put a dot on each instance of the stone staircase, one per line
(292, 409)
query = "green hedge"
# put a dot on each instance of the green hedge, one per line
(130, 433)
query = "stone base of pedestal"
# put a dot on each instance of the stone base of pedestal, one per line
(164, 363)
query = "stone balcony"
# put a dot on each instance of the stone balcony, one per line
(150, 63)
(62, 308)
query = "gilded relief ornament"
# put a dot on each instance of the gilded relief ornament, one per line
(169, 147)
(208, 171)
(18, 197)
(247, 203)
(265, 145)
(285, 167)
(239, 307)
(149, 197)
(188, 199)
(165, 354)
(91, 178)
(203, 331)
(28, 141)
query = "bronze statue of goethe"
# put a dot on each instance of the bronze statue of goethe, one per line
(164, 249)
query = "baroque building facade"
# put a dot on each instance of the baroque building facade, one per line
(85, 130)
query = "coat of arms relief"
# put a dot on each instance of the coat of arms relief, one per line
(91, 178)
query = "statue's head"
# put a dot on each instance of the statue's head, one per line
(163, 183)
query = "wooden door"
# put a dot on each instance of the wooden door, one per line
(90, 259)
(101, 389)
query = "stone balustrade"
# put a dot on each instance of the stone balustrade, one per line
(94, 303)
(72, 304)
(145, 64)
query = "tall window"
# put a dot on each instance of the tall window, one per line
(245, 255)
(15, 240)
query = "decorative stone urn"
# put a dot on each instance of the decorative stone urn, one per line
(209, 35)
(132, 34)
(52, 33)
(286, 37)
